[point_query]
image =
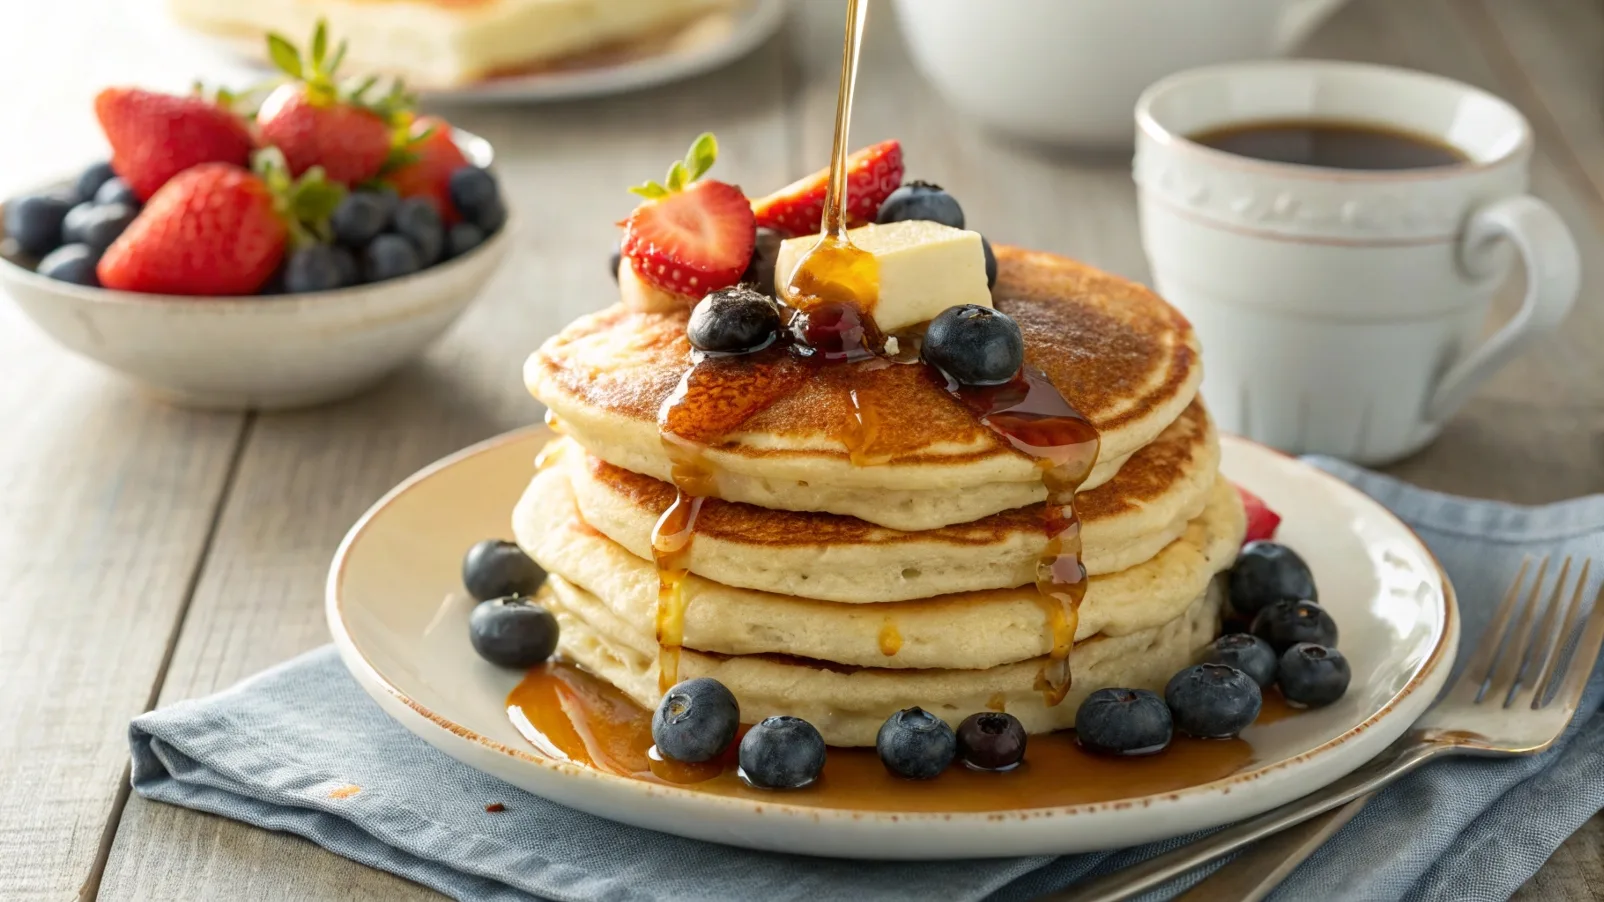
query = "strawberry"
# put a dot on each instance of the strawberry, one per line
(217, 229)
(422, 167)
(1262, 522)
(798, 208)
(156, 136)
(316, 123)
(691, 237)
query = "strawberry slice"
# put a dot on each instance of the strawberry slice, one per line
(692, 241)
(798, 208)
(1262, 521)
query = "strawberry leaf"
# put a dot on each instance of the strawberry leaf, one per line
(339, 57)
(702, 155)
(677, 177)
(650, 190)
(284, 55)
(320, 44)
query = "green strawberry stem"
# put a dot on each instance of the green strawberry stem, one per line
(320, 73)
(698, 160)
(305, 204)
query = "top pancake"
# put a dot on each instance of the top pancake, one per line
(1124, 358)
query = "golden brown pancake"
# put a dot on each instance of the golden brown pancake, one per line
(1118, 353)
(838, 558)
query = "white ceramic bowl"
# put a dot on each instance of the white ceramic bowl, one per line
(275, 351)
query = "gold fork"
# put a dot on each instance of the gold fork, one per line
(1515, 696)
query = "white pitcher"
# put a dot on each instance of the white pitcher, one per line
(1069, 71)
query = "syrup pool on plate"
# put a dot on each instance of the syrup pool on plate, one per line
(568, 715)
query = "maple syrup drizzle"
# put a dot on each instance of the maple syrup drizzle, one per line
(890, 638)
(1035, 419)
(568, 715)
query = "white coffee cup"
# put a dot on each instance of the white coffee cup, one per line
(1067, 71)
(1341, 310)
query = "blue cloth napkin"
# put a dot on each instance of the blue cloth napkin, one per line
(261, 752)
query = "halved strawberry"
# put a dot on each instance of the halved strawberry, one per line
(798, 208)
(692, 241)
(690, 237)
(1262, 521)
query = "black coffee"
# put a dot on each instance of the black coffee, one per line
(1333, 145)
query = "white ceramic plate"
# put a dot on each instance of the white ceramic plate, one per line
(398, 616)
(717, 40)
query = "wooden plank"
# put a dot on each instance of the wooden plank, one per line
(1551, 55)
(305, 477)
(108, 501)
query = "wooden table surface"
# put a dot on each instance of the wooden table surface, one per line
(151, 554)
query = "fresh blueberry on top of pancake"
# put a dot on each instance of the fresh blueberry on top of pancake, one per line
(991, 740)
(495, 568)
(734, 320)
(916, 744)
(1286, 623)
(781, 752)
(921, 200)
(1268, 572)
(1213, 701)
(1123, 722)
(991, 262)
(974, 345)
(615, 258)
(512, 632)
(696, 720)
(1312, 676)
(1249, 654)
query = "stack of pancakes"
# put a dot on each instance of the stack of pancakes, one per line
(840, 592)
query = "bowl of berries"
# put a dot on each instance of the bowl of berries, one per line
(280, 249)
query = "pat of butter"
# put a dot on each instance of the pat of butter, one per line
(639, 294)
(925, 267)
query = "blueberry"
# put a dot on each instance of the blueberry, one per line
(1249, 654)
(974, 345)
(1312, 676)
(916, 744)
(991, 262)
(102, 225)
(77, 218)
(463, 237)
(1286, 623)
(1267, 572)
(314, 268)
(90, 180)
(921, 200)
(492, 217)
(512, 632)
(345, 263)
(1123, 722)
(73, 263)
(116, 191)
(360, 217)
(389, 257)
(781, 752)
(418, 221)
(387, 198)
(34, 222)
(615, 258)
(991, 740)
(696, 720)
(473, 192)
(1213, 701)
(765, 256)
(495, 568)
(734, 320)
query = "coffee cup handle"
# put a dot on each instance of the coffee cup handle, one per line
(1553, 278)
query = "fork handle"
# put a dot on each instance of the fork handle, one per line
(1399, 759)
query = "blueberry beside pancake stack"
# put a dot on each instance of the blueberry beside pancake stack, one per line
(855, 536)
